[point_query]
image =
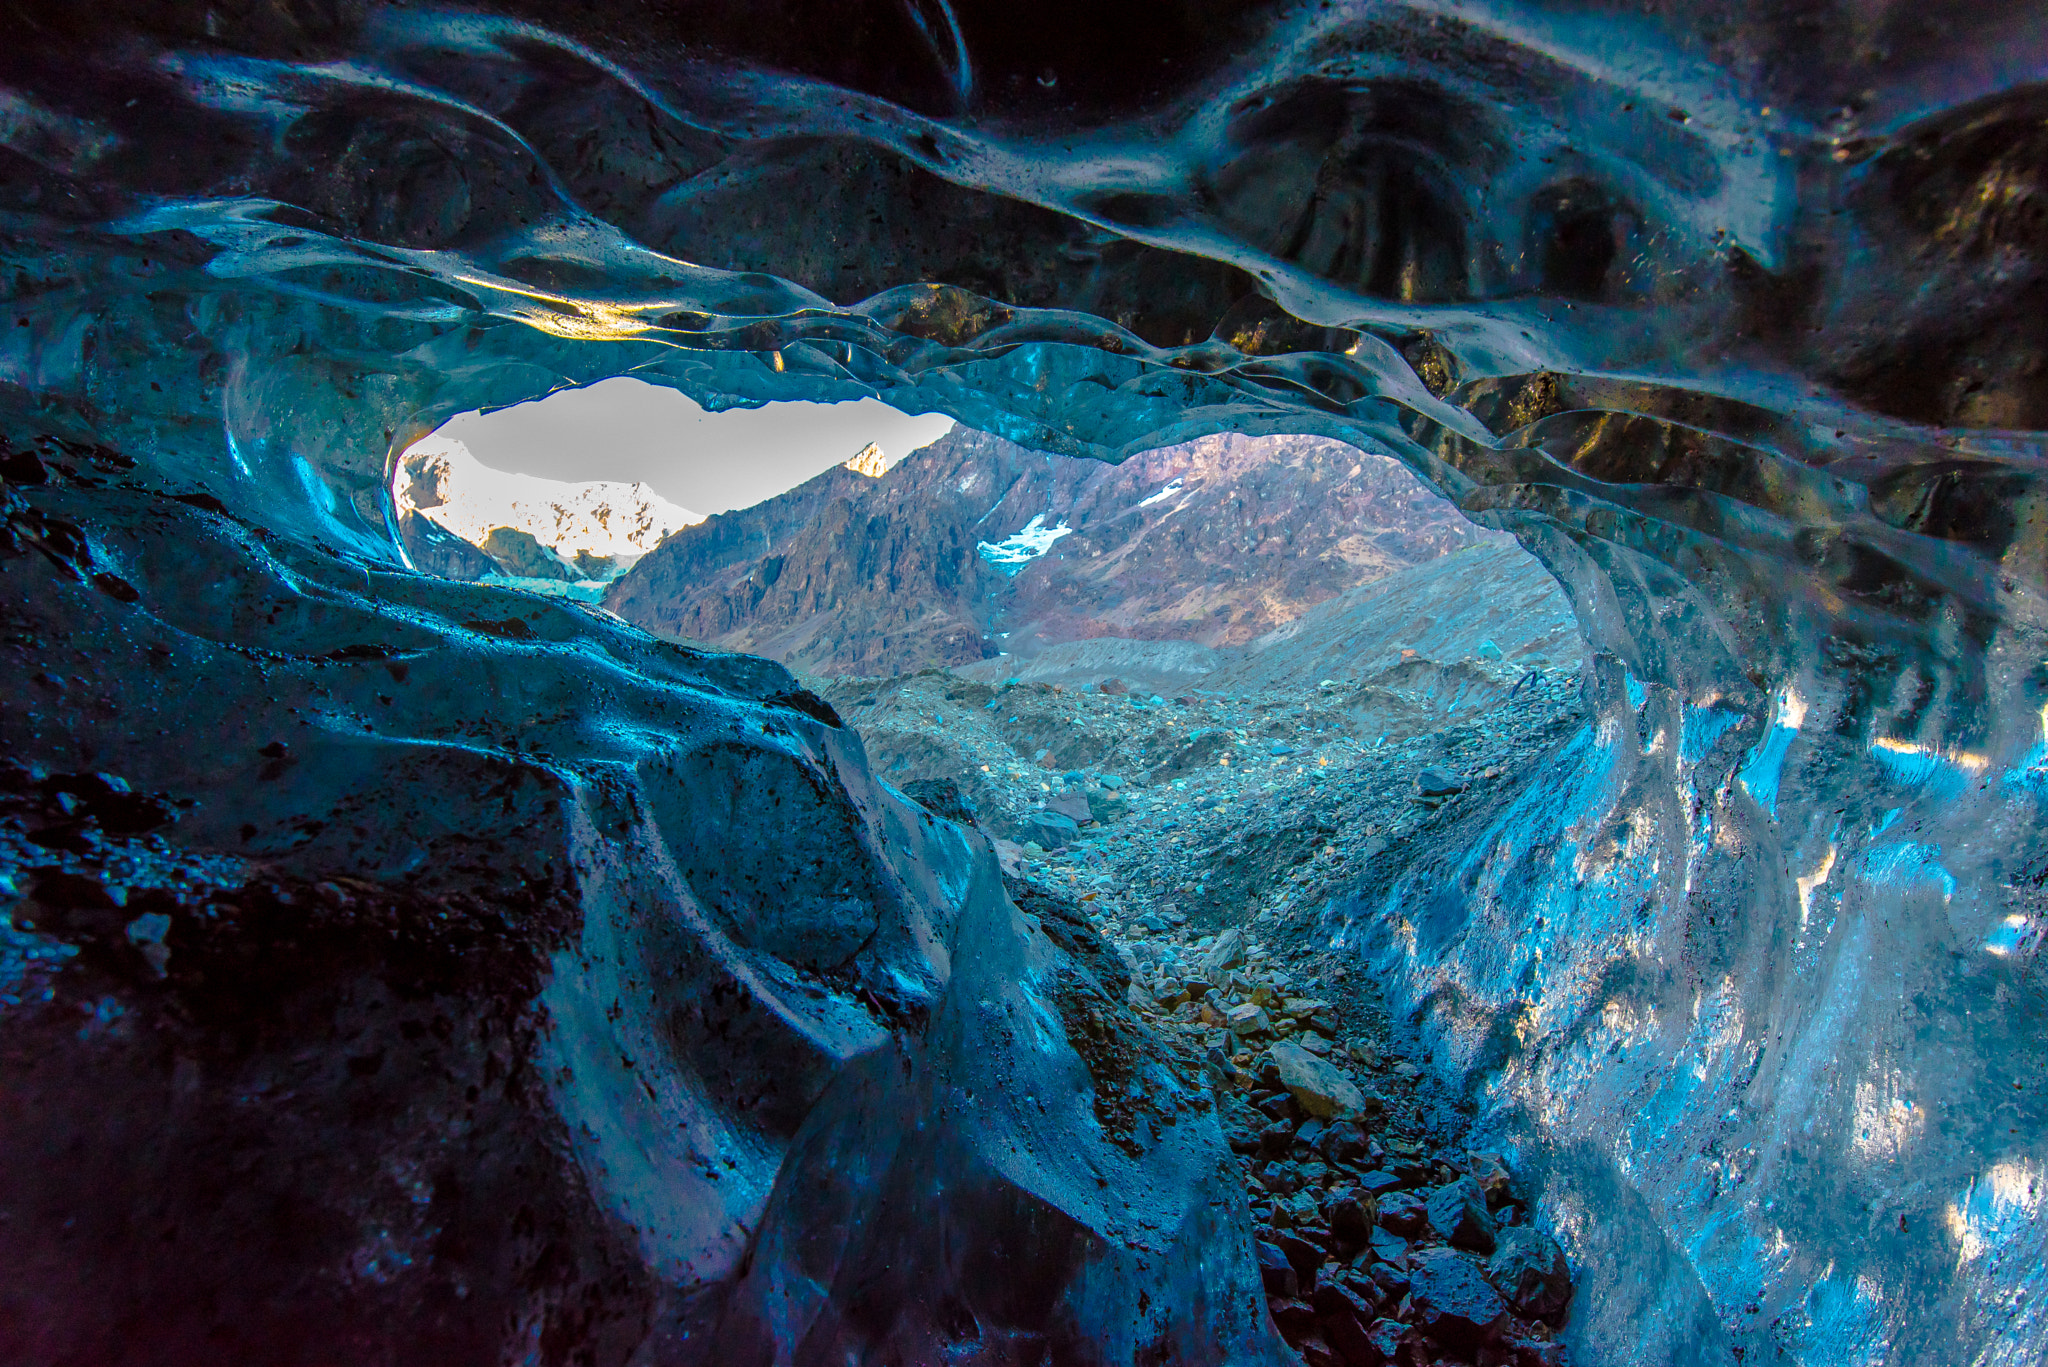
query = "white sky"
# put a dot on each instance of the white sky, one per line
(708, 462)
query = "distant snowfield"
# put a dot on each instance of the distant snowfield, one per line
(1016, 551)
(439, 478)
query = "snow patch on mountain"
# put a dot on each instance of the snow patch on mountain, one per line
(1022, 547)
(608, 519)
(1168, 492)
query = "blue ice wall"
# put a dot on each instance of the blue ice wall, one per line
(1730, 311)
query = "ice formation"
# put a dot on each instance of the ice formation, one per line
(1731, 313)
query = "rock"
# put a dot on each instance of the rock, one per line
(1536, 1353)
(1277, 1273)
(1457, 1211)
(1403, 1213)
(1385, 1337)
(1452, 1302)
(1049, 829)
(1379, 1181)
(1317, 1087)
(1387, 1245)
(1248, 1020)
(1342, 1314)
(1355, 1344)
(1276, 1138)
(1295, 1319)
(1352, 1216)
(1529, 1269)
(942, 798)
(1222, 956)
(1492, 1176)
(1071, 805)
(1305, 1257)
(1437, 781)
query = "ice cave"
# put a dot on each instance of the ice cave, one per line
(402, 967)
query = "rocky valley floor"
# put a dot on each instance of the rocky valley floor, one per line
(1202, 835)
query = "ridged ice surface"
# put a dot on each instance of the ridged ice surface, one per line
(1731, 312)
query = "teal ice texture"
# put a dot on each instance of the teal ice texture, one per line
(1730, 312)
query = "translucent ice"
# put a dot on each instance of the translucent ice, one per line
(1731, 313)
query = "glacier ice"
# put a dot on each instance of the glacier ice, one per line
(1731, 313)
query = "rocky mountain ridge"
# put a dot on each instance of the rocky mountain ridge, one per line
(974, 547)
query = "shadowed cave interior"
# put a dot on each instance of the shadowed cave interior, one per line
(399, 969)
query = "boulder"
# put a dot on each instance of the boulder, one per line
(1071, 805)
(1305, 1257)
(1342, 1315)
(1317, 1087)
(1248, 1019)
(1351, 1215)
(1459, 1216)
(1492, 1176)
(1277, 1273)
(1457, 1211)
(1452, 1301)
(1529, 1269)
(1402, 1213)
(941, 797)
(1049, 829)
(1222, 956)
(1435, 781)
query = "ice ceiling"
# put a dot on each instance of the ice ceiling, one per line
(1733, 312)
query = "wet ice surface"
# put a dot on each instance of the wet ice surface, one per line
(1729, 315)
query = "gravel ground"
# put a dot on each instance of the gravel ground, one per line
(1200, 835)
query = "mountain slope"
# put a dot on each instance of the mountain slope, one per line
(974, 546)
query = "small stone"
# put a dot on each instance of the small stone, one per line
(1316, 1086)
(1457, 1211)
(1453, 1303)
(1530, 1270)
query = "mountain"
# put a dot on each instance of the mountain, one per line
(463, 520)
(974, 547)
